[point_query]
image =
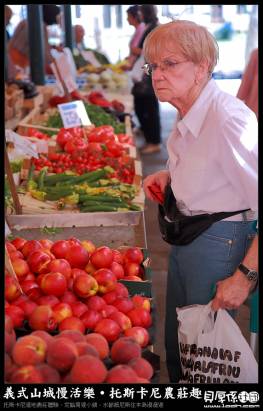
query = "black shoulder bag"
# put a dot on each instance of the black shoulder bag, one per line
(179, 229)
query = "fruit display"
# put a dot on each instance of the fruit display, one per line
(74, 314)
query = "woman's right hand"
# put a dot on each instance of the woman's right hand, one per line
(159, 179)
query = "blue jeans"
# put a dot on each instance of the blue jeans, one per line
(193, 271)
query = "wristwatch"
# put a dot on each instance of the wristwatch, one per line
(252, 275)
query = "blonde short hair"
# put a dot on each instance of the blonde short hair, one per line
(193, 41)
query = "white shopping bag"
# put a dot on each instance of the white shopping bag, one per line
(213, 350)
(136, 72)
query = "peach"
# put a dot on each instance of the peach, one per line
(142, 367)
(121, 290)
(62, 311)
(88, 369)
(132, 278)
(90, 269)
(10, 367)
(60, 248)
(110, 297)
(28, 374)
(86, 348)
(131, 269)
(108, 328)
(140, 334)
(124, 349)
(31, 289)
(134, 255)
(10, 247)
(72, 323)
(42, 318)
(73, 335)
(117, 269)
(44, 335)
(62, 354)
(46, 243)
(29, 350)
(121, 319)
(102, 257)
(107, 310)
(117, 256)
(28, 307)
(121, 374)
(50, 374)
(10, 336)
(100, 343)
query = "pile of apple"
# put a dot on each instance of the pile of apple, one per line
(72, 357)
(72, 285)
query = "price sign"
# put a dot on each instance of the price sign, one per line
(74, 114)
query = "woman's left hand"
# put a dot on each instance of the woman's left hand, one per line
(231, 292)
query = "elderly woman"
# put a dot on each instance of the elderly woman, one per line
(212, 167)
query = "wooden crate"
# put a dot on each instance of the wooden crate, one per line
(14, 98)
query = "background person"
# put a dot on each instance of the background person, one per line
(18, 46)
(248, 90)
(79, 32)
(134, 18)
(8, 16)
(146, 105)
(212, 167)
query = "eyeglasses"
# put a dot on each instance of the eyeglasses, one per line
(165, 65)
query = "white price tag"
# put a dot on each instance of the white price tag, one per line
(89, 56)
(74, 114)
(65, 68)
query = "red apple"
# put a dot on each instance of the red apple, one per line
(42, 318)
(50, 300)
(75, 272)
(90, 318)
(12, 290)
(102, 257)
(95, 303)
(16, 314)
(117, 257)
(110, 296)
(69, 297)
(121, 319)
(38, 262)
(29, 247)
(140, 317)
(88, 245)
(117, 269)
(18, 242)
(10, 247)
(106, 280)
(78, 309)
(60, 249)
(54, 284)
(132, 278)
(77, 256)
(28, 307)
(14, 255)
(72, 323)
(60, 266)
(31, 289)
(140, 334)
(121, 290)
(90, 269)
(108, 328)
(131, 269)
(123, 304)
(141, 302)
(134, 255)
(107, 310)
(62, 311)
(21, 267)
(46, 243)
(85, 286)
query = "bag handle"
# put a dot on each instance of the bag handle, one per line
(206, 312)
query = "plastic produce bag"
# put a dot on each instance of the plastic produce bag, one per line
(212, 348)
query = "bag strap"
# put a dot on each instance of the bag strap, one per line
(224, 214)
